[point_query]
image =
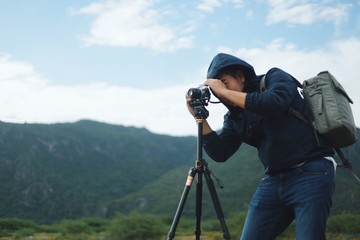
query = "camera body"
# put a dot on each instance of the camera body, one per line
(200, 96)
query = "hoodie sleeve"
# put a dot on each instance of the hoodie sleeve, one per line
(221, 146)
(280, 91)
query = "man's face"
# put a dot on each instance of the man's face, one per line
(233, 83)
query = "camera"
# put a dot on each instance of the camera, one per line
(200, 96)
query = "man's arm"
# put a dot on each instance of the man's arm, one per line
(235, 98)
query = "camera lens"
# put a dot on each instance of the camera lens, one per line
(194, 93)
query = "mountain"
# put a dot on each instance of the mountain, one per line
(50, 172)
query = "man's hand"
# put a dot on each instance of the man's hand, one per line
(232, 97)
(206, 127)
(217, 86)
(190, 108)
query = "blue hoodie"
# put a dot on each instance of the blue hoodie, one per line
(282, 140)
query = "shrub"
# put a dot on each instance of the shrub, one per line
(344, 223)
(136, 226)
(74, 226)
(96, 224)
(236, 223)
(25, 232)
(11, 225)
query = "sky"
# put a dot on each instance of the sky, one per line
(130, 62)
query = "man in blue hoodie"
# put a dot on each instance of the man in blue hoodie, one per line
(299, 167)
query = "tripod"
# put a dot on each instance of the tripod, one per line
(201, 168)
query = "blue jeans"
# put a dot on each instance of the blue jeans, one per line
(303, 193)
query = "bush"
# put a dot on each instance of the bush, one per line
(25, 232)
(136, 226)
(10, 225)
(96, 224)
(236, 223)
(344, 223)
(74, 226)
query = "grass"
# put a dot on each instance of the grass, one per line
(144, 227)
(180, 236)
(58, 236)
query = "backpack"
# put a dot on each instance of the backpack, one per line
(331, 111)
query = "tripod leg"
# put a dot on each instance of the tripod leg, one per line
(216, 202)
(198, 205)
(181, 205)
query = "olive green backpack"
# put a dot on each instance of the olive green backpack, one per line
(331, 110)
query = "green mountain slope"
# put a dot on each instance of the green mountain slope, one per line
(240, 176)
(51, 172)
(71, 170)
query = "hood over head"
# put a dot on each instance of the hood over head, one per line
(223, 60)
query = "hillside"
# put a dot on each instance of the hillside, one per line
(240, 176)
(51, 172)
(70, 170)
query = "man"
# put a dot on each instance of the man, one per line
(299, 168)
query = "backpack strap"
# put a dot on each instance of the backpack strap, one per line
(346, 164)
(262, 84)
(305, 119)
(291, 110)
(344, 161)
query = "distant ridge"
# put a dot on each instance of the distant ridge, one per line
(50, 172)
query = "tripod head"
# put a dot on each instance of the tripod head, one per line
(200, 98)
(201, 112)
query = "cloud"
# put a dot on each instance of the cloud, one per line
(13, 70)
(145, 23)
(26, 96)
(303, 12)
(209, 5)
(134, 23)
